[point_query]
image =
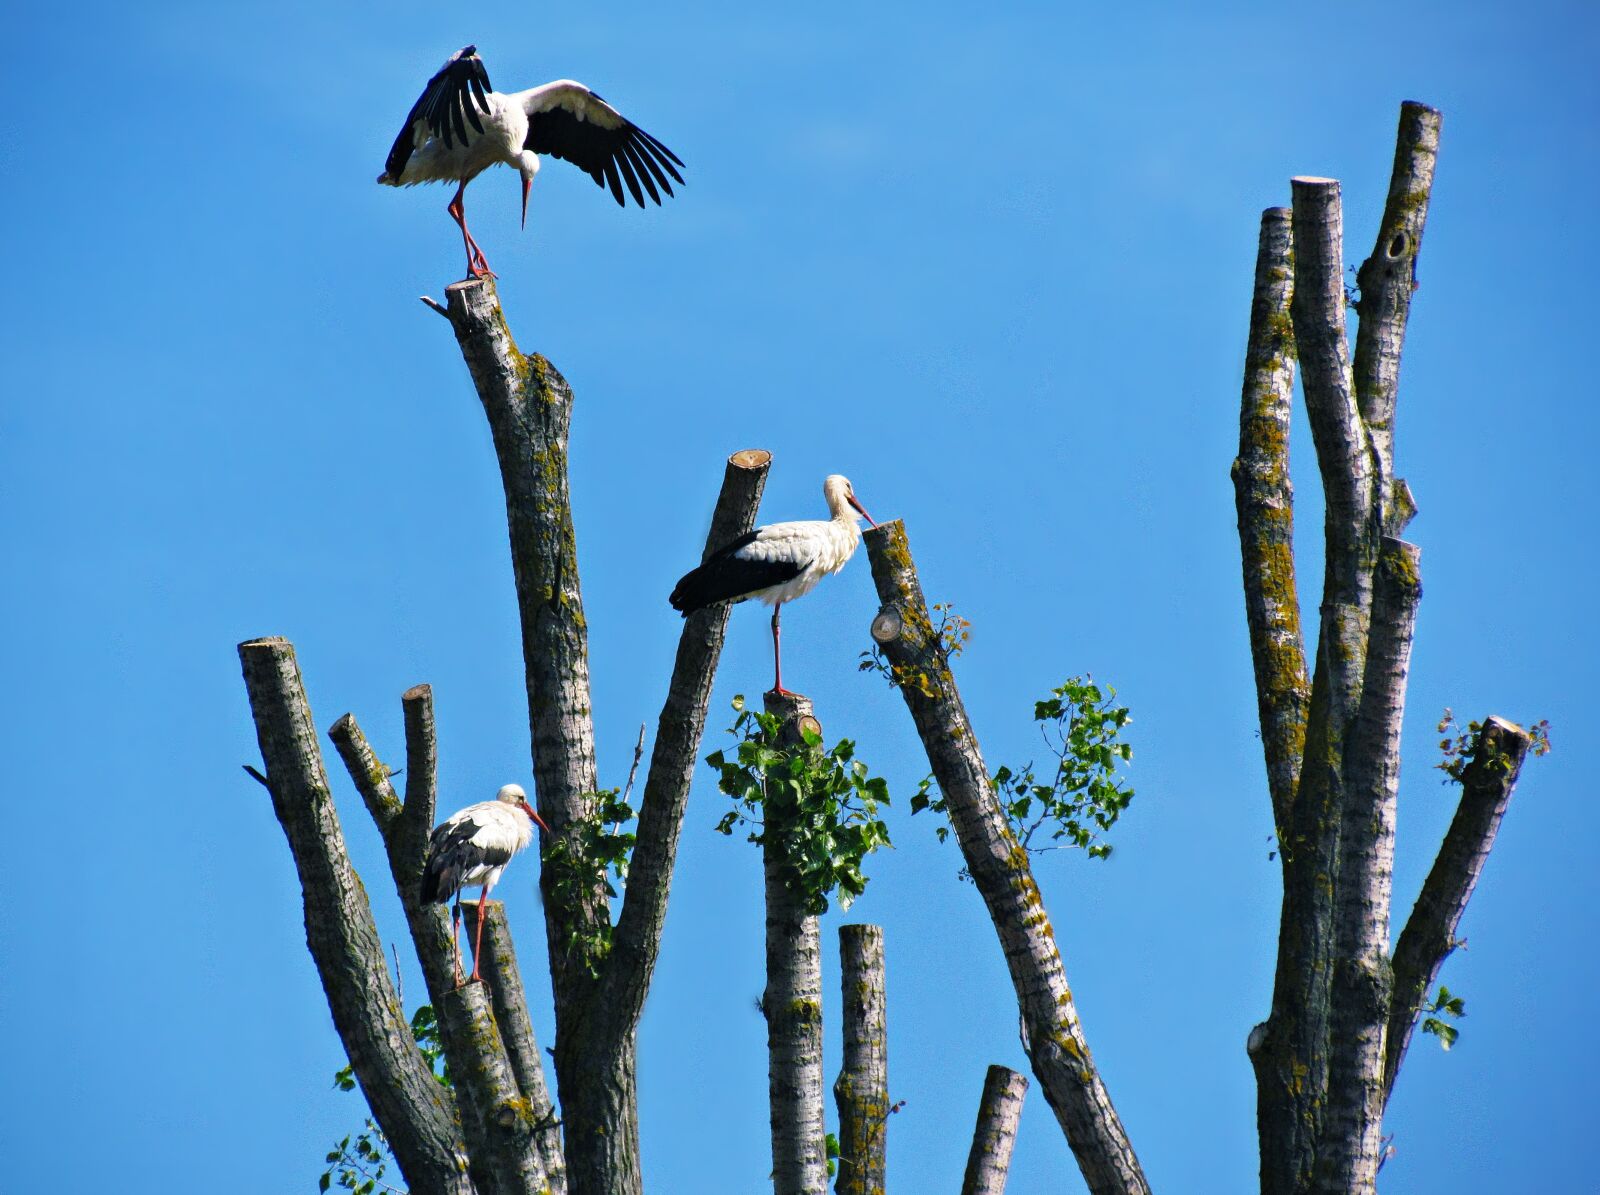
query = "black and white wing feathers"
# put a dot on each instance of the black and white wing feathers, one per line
(448, 104)
(566, 120)
(455, 849)
(735, 572)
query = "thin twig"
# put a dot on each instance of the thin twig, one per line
(638, 754)
(436, 305)
(259, 778)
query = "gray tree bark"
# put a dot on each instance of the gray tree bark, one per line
(861, 1092)
(792, 1004)
(1057, 1047)
(999, 1110)
(599, 975)
(412, 1109)
(1342, 1009)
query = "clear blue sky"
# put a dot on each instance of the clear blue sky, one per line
(996, 269)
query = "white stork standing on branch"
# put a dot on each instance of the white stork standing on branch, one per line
(777, 563)
(472, 847)
(460, 126)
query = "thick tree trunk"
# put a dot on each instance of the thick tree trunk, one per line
(599, 976)
(792, 1004)
(861, 1092)
(998, 1113)
(999, 867)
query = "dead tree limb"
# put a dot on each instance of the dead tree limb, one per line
(1265, 501)
(998, 1113)
(1429, 936)
(861, 1092)
(792, 1001)
(408, 1103)
(999, 866)
(673, 757)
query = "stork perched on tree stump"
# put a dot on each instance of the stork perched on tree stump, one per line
(472, 847)
(778, 563)
(460, 126)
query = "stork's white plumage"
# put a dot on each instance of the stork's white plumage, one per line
(778, 563)
(460, 126)
(471, 848)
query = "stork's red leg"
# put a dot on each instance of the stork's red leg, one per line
(777, 655)
(477, 945)
(477, 265)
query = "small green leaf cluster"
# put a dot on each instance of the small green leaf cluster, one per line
(1447, 1005)
(1081, 723)
(1458, 745)
(359, 1166)
(819, 807)
(592, 852)
(830, 1148)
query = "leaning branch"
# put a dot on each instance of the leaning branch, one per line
(1430, 932)
(1264, 498)
(636, 942)
(999, 866)
(406, 1100)
(998, 1113)
(861, 1092)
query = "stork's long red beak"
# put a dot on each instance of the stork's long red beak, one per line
(527, 185)
(534, 814)
(862, 509)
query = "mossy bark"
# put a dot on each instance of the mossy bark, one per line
(861, 1092)
(1341, 1011)
(999, 1110)
(999, 867)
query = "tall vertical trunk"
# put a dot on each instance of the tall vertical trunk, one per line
(792, 1004)
(861, 1091)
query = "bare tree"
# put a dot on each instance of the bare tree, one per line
(1343, 1008)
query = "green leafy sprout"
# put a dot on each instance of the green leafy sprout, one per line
(1082, 798)
(358, 1164)
(819, 807)
(1444, 1005)
(1459, 743)
(594, 851)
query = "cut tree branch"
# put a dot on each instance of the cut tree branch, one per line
(1352, 1138)
(861, 1092)
(1264, 498)
(529, 408)
(636, 942)
(503, 978)
(998, 1113)
(408, 1103)
(502, 1137)
(792, 1002)
(1388, 278)
(999, 867)
(1430, 932)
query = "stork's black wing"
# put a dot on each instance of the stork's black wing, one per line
(732, 573)
(450, 102)
(566, 120)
